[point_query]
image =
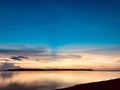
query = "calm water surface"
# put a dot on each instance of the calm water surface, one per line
(47, 80)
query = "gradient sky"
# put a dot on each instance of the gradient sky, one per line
(80, 33)
(60, 22)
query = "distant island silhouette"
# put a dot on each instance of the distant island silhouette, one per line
(28, 69)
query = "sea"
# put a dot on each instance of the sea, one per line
(50, 80)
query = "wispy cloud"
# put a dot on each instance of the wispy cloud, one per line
(71, 57)
(91, 48)
(28, 49)
(19, 57)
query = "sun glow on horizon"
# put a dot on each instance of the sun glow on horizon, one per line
(75, 58)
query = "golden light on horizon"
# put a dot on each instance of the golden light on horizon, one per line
(87, 61)
(92, 60)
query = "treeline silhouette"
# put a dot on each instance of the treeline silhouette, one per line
(28, 69)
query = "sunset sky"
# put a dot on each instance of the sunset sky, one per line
(60, 34)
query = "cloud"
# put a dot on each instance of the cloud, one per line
(105, 50)
(60, 56)
(38, 56)
(22, 49)
(91, 49)
(72, 56)
(18, 57)
(6, 66)
(76, 56)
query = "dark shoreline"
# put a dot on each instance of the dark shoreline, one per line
(23, 69)
(113, 84)
(55, 69)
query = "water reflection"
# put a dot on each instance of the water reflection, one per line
(50, 80)
(6, 75)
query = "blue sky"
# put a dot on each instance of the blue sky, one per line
(60, 22)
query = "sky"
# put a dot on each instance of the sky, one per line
(60, 22)
(32, 26)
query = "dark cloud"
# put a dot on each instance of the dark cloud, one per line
(18, 57)
(22, 49)
(40, 50)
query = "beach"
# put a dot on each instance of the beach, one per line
(113, 84)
